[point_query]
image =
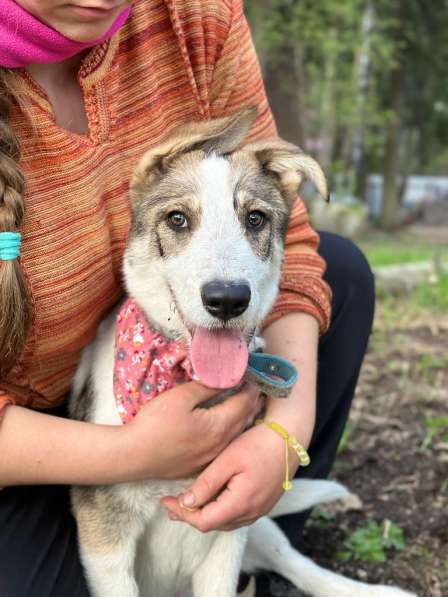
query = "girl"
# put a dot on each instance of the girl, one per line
(86, 87)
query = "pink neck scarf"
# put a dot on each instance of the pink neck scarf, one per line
(146, 363)
(25, 40)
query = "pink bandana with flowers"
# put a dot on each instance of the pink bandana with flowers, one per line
(146, 363)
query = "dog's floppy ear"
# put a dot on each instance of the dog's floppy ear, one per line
(221, 136)
(289, 164)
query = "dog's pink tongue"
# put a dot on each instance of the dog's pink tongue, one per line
(219, 357)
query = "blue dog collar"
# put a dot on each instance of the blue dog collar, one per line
(9, 245)
(272, 374)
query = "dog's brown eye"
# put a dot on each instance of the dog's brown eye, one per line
(176, 219)
(255, 219)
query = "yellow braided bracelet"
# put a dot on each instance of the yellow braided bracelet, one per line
(290, 442)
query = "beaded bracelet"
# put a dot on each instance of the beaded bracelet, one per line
(290, 442)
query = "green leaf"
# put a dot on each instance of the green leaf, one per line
(343, 556)
(369, 544)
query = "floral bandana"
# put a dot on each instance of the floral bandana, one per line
(146, 363)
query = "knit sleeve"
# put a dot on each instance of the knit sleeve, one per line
(5, 401)
(236, 82)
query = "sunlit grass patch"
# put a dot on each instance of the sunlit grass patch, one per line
(436, 429)
(432, 295)
(397, 255)
(383, 249)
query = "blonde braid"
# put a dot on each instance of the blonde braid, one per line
(14, 298)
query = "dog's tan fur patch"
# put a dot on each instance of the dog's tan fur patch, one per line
(101, 519)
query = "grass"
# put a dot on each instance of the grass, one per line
(429, 362)
(426, 297)
(436, 428)
(432, 295)
(382, 249)
(395, 255)
(398, 248)
(320, 519)
(343, 443)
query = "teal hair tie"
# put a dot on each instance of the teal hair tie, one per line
(9, 245)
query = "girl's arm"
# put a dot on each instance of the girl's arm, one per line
(295, 337)
(38, 448)
(161, 442)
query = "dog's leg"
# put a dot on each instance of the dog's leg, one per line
(110, 574)
(218, 574)
(108, 531)
(269, 549)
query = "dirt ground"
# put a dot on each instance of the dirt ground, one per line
(391, 461)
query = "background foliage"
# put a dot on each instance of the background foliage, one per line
(360, 84)
(363, 85)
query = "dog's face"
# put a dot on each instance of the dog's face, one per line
(206, 243)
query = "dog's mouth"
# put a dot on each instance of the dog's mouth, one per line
(219, 356)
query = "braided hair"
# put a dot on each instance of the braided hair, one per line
(14, 297)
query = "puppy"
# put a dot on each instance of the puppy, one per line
(202, 268)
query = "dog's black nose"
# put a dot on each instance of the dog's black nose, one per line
(225, 299)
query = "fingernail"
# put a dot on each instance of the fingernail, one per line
(172, 516)
(188, 499)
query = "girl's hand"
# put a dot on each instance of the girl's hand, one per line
(242, 484)
(171, 438)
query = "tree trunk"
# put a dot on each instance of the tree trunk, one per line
(299, 71)
(391, 197)
(389, 208)
(284, 83)
(327, 111)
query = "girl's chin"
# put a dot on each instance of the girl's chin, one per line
(86, 24)
(83, 33)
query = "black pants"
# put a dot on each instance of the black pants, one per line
(38, 552)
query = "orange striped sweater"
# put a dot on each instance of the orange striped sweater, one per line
(174, 61)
